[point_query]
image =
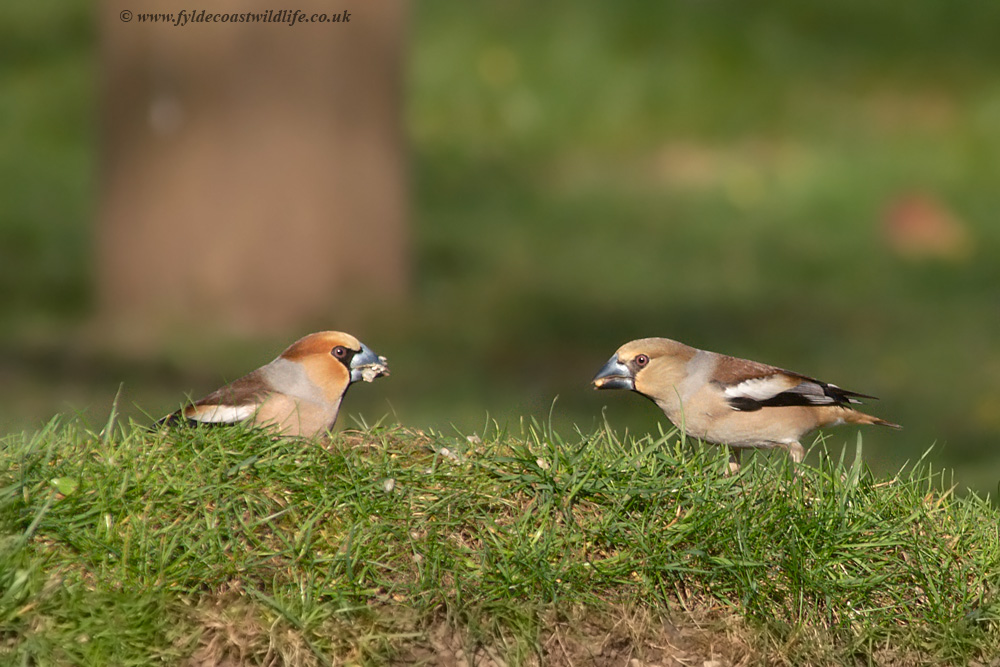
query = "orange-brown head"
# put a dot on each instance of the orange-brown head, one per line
(334, 359)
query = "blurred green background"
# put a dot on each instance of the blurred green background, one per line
(812, 185)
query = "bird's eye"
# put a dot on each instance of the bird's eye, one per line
(641, 360)
(339, 352)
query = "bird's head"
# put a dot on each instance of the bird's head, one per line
(647, 366)
(335, 354)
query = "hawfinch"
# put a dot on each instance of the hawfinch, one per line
(730, 401)
(297, 394)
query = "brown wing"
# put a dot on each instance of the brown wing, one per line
(732, 370)
(231, 403)
(749, 386)
(249, 389)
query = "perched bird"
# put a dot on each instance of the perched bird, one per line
(729, 401)
(297, 394)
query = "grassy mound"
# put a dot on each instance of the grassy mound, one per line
(223, 546)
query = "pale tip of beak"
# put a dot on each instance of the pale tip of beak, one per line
(372, 371)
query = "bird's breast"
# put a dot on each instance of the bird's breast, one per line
(293, 416)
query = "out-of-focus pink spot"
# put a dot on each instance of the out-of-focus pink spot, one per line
(919, 226)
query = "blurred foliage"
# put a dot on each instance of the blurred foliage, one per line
(47, 178)
(718, 172)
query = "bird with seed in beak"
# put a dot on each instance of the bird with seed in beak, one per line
(297, 394)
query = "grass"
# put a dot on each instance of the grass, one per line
(124, 546)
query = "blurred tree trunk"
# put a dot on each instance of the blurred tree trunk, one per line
(253, 173)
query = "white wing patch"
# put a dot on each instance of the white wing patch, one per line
(222, 414)
(759, 389)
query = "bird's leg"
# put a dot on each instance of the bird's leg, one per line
(796, 451)
(734, 460)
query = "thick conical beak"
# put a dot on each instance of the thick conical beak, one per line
(366, 365)
(614, 375)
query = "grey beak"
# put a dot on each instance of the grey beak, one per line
(614, 375)
(367, 362)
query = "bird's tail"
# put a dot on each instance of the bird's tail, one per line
(173, 419)
(856, 417)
